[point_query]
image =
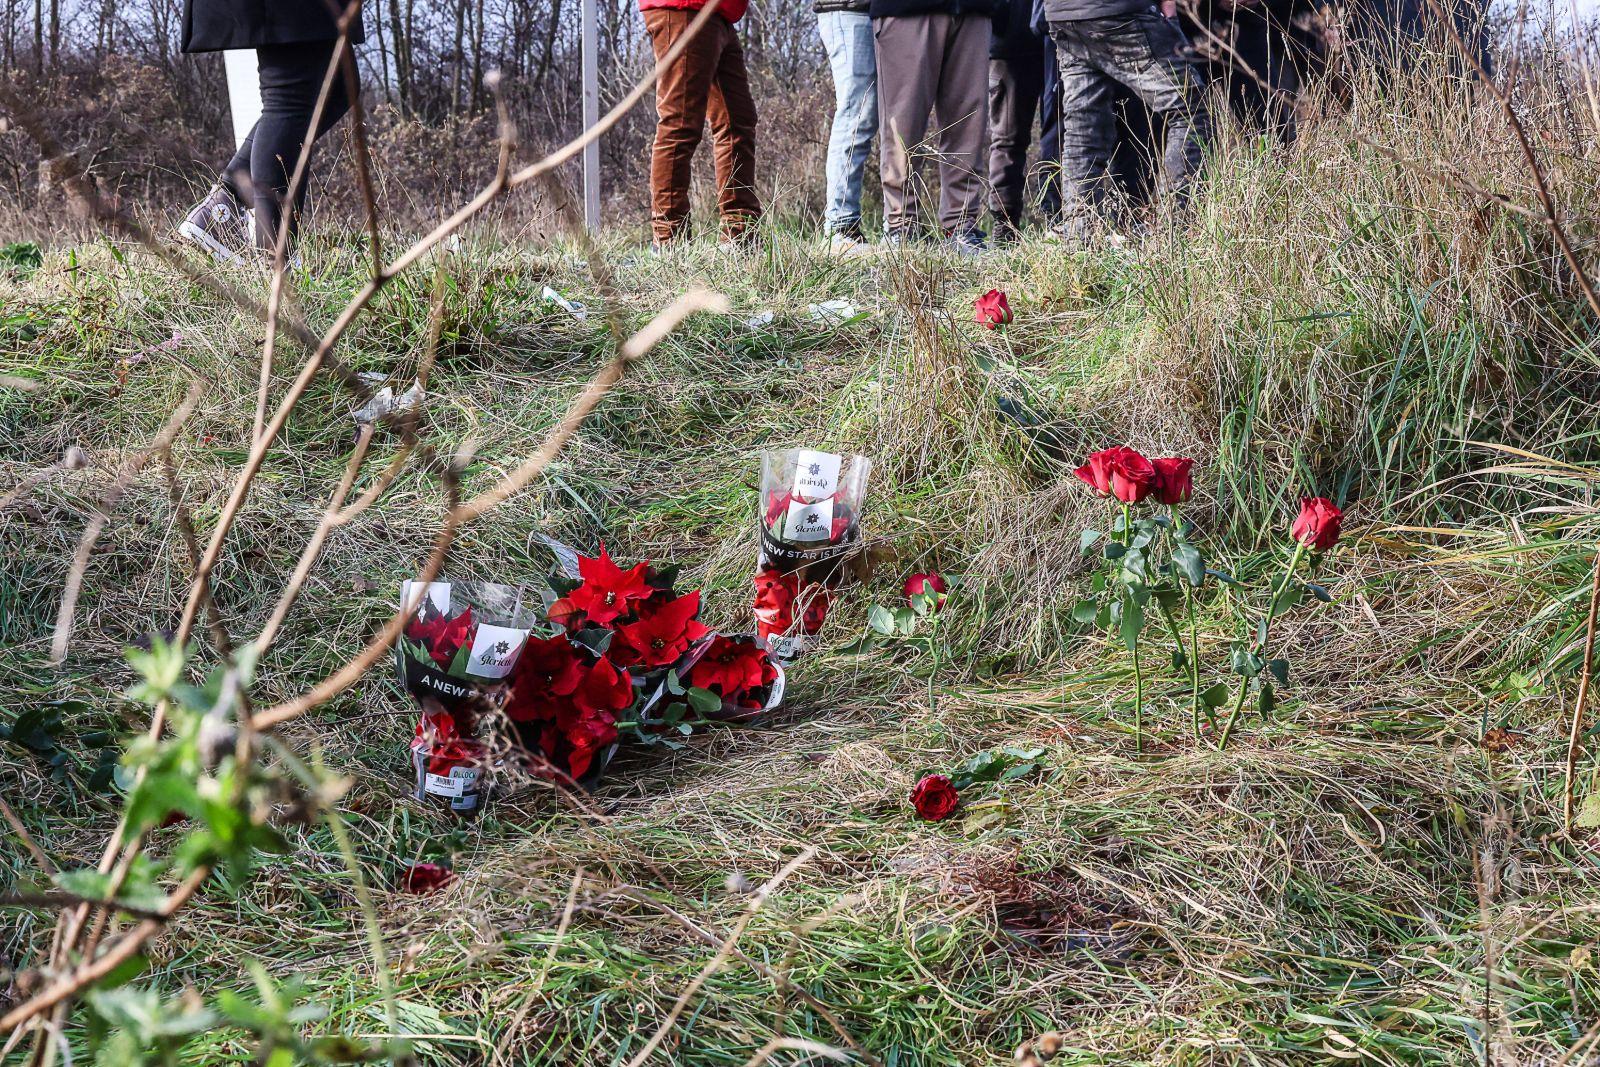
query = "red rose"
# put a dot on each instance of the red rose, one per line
(547, 674)
(992, 309)
(1174, 480)
(930, 584)
(1120, 472)
(1318, 524)
(666, 634)
(775, 593)
(731, 667)
(425, 878)
(608, 591)
(935, 798)
(442, 635)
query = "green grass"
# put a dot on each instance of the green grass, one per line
(1334, 886)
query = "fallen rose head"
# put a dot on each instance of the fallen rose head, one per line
(992, 309)
(1174, 479)
(1318, 524)
(929, 584)
(935, 798)
(425, 878)
(1120, 472)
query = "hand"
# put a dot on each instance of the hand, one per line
(1169, 9)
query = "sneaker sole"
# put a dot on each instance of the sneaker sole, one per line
(220, 252)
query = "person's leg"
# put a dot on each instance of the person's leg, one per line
(848, 37)
(732, 112)
(1050, 134)
(909, 50)
(961, 111)
(291, 83)
(1149, 55)
(1006, 166)
(682, 91)
(1087, 124)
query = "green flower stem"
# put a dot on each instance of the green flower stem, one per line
(1266, 636)
(1138, 694)
(1194, 632)
(933, 650)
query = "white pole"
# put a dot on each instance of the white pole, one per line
(244, 91)
(591, 114)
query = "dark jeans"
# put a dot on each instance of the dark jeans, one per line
(258, 174)
(1014, 87)
(1148, 55)
(1050, 134)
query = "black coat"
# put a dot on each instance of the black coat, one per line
(984, 8)
(214, 25)
(1014, 37)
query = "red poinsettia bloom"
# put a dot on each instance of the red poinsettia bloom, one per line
(547, 674)
(566, 614)
(992, 309)
(604, 688)
(660, 639)
(1318, 524)
(777, 507)
(1174, 479)
(935, 798)
(1120, 472)
(425, 878)
(608, 590)
(931, 584)
(731, 667)
(442, 635)
(775, 593)
(818, 599)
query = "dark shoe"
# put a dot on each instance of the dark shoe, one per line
(900, 240)
(217, 225)
(968, 243)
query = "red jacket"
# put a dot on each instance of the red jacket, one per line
(732, 10)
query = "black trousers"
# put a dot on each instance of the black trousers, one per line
(1019, 88)
(259, 172)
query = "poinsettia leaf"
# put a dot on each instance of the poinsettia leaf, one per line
(674, 686)
(1279, 669)
(1084, 611)
(880, 619)
(1087, 540)
(704, 700)
(1190, 564)
(1216, 696)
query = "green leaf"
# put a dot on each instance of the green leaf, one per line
(1132, 623)
(1245, 662)
(1190, 564)
(704, 700)
(1115, 549)
(1179, 660)
(1320, 592)
(1216, 696)
(1279, 669)
(1267, 701)
(905, 621)
(881, 619)
(1287, 599)
(1588, 817)
(1087, 539)
(1084, 611)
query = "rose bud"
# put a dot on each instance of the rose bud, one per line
(935, 798)
(425, 878)
(929, 584)
(1120, 472)
(1317, 526)
(1174, 479)
(992, 310)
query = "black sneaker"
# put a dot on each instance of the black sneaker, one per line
(968, 242)
(217, 225)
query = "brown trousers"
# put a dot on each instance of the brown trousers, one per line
(937, 62)
(708, 81)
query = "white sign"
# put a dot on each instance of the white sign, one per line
(809, 522)
(495, 650)
(816, 475)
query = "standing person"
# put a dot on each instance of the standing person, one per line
(1100, 45)
(1016, 87)
(294, 42)
(846, 31)
(707, 81)
(933, 54)
(1049, 121)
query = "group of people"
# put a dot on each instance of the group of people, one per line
(955, 82)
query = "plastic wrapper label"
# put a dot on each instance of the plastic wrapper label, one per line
(495, 650)
(809, 522)
(816, 474)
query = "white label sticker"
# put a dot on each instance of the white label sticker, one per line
(816, 475)
(809, 522)
(459, 782)
(495, 650)
(438, 595)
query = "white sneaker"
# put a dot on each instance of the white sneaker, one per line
(846, 246)
(216, 225)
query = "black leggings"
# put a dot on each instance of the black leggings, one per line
(258, 174)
